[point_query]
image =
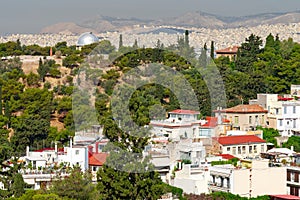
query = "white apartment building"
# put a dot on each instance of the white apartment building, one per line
(258, 180)
(180, 124)
(283, 113)
(192, 180)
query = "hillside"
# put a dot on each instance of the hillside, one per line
(191, 19)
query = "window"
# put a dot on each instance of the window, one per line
(239, 150)
(94, 168)
(284, 109)
(296, 177)
(277, 111)
(236, 119)
(288, 176)
(280, 122)
(244, 149)
(294, 109)
(250, 149)
(77, 152)
(262, 148)
(256, 119)
(198, 154)
(294, 123)
(234, 150)
(250, 119)
(228, 149)
(262, 119)
(255, 148)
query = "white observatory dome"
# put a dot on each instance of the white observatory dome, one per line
(86, 38)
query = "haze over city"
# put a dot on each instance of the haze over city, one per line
(32, 15)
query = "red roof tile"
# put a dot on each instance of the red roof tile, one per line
(244, 109)
(178, 111)
(49, 149)
(213, 122)
(97, 159)
(226, 156)
(285, 196)
(229, 50)
(239, 139)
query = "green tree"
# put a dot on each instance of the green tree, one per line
(293, 141)
(120, 41)
(212, 50)
(1, 108)
(249, 51)
(77, 185)
(18, 185)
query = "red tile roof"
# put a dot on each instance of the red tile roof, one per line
(229, 50)
(49, 149)
(281, 98)
(213, 122)
(285, 196)
(239, 139)
(189, 112)
(226, 156)
(97, 159)
(244, 109)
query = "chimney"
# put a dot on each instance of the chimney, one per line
(27, 150)
(71, 143)
(55, 147)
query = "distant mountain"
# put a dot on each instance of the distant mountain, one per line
(68, 27)
(192, 19)
(196, 19)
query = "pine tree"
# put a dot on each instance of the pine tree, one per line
(1, 100)
(7, 113)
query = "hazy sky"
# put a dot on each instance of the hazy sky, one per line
(30, 16)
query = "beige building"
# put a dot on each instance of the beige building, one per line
(244, 117)
(230, 52)
(258, 180)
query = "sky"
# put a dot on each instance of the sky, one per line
(30, 16)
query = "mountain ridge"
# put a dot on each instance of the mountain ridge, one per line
(197, 19)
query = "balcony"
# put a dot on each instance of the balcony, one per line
(218, 187)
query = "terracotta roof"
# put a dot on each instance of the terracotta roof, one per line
(239, 139)
(229, 50)
(255, 108)
(178, 111)
(281, 98)
(49, 149)
(226, 156)
(286, 196)
(97, 159)
(213, 122)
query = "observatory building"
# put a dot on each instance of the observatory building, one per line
(86, 39)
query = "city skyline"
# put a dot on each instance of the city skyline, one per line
(32, 15)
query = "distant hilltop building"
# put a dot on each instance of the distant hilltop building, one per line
(230, 52)
(86, 39)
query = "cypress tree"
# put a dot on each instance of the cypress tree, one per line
(212, 50)
(121, 41)
(186, 39)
